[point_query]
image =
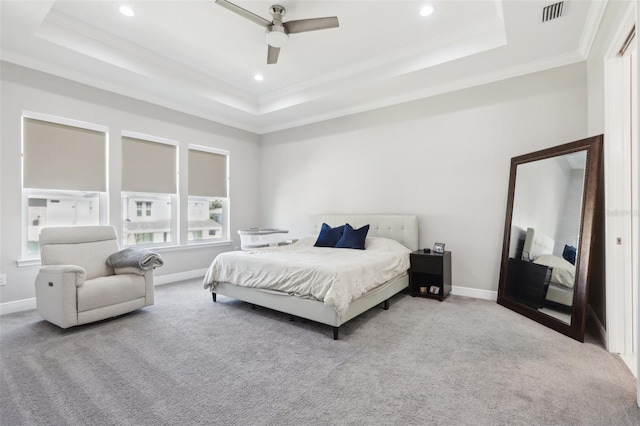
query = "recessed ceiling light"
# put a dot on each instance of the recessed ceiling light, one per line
(127, 11)
(258, 77)
(426, 11)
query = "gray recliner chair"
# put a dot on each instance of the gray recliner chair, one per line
(76, 286)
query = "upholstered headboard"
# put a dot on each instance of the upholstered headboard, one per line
(402, 228)
(535, 244)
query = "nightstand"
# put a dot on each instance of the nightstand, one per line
(430, 274)
(527, 282)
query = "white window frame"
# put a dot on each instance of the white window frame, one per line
(27, 258)
(226, 204)
(175, 198)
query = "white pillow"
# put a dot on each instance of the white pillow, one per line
(384, 244)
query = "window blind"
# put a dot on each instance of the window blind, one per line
(148, 166)
(207, 174)
(56, 156)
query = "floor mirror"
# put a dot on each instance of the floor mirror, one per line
(550, 235)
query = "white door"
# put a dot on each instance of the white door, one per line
(621, 171)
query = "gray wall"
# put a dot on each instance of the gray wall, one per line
(24, 89)
(540, 192)
(444, 158)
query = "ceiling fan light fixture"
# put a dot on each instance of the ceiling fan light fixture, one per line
(277, 37)
(426, 10)
(127, 11)
(276, 31)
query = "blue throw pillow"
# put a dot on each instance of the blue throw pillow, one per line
(329, 236)
(353, 238)
(569, 254)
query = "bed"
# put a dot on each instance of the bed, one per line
(391, 233)
(538, 248)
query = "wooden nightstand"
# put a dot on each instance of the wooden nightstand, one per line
(527, 282)
(430, 274)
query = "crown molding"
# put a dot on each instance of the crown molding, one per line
(413, 95)
(596, 12)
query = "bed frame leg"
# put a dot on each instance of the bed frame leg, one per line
(385, 305)
(335, 333)
(214, 296)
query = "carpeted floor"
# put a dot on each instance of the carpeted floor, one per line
(189, 361)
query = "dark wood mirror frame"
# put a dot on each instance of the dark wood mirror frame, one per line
(590, 246)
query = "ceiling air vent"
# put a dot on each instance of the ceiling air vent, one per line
(552, 11)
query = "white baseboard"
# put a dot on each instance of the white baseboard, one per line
(17, 306)
(27, 304)
(602, 332)
(475, 293)
(180, 276)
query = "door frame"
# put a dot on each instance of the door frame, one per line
(618, 207)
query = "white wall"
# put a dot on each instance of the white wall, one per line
(24, 89)
(569, 228)
(539, 195)
(445, 159)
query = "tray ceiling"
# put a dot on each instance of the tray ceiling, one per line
(199, 58)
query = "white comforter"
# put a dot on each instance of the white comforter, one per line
(562, 273)
(335, 276)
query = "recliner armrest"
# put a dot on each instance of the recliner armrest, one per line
(129, 270)
(63, 269)
(56, 293)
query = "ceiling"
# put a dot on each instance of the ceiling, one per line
(200, 58)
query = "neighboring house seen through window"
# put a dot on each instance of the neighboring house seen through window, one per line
(147, 218)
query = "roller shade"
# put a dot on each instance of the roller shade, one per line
(207, 174)
(148, 166)
(56, 156)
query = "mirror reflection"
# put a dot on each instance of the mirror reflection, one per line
(545, 233)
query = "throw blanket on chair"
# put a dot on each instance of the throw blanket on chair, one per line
(135, 256)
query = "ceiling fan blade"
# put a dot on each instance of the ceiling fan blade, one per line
(244, 13)
(304, 25)
(272, 55)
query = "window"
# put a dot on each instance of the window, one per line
(208, 195)
(143, 208)
(144, 237)
(147, 218)
(65, 167)
(58, 208)
(205, 219)
(149, 188)
(64, 176)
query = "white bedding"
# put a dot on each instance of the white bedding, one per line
(562, 273)
(335, 276)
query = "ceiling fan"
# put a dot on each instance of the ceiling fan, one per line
(277, 32)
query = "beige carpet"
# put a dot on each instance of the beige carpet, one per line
(189, 361)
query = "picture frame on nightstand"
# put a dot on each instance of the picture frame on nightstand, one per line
(438, 248)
